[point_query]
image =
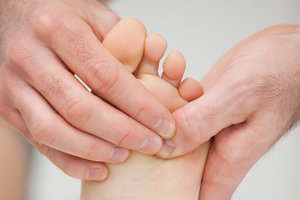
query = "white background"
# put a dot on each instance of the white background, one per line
(203, 31)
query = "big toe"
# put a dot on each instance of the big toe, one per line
(126, 42)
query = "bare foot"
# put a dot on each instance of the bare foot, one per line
(144, 176)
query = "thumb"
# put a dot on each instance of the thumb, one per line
(221, 106)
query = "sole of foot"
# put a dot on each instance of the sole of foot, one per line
(145, 176)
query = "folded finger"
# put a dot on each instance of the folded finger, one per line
(71, 165)
(78, 106)
(48, 128)
(75, 43)
(75, 167)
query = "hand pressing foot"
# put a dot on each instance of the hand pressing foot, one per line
(143, 176)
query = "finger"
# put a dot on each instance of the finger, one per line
(50, 129)
(14, 117)
(101, 19)
(233, 152)
(79, 48)
(226, 103)
(79, 107)
(72, 166)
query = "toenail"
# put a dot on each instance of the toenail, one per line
(167, 149)
(151, 144)
(95, 174)
(165, 128)
(118, 154)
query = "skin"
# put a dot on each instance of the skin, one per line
(42, 44)
(251, 98)
(144, 176)
(212, 113)
(14, 163)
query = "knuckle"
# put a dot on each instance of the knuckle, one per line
(42, 131)
(242, 149)
(229, 156)
(120, 141)
(55, 22)
(196, 123)
(44, 150)
(75, 107)
(187, 121)
(47, 21)
(72, 108)
(92, 152)
(102, 77)
(18, 52)
(141, 110)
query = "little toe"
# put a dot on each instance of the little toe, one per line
(126, 42)
(190, 89)
(155, 47)
(174, 67)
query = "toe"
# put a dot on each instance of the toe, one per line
(155, 47)
(126, 42)
(190, 89)
(174, 67)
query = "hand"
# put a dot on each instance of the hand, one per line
(251, 99)
(43, 44)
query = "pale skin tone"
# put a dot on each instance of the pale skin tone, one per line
(264, 106)
(142, 176)
(42, 45)
(251, 98)
(14, 160)
(127, 41)
(197, 121)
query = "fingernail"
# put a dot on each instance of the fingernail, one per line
(95, 174)
(167, 149)
(118, 154)
(151, 144)
(165, 128)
